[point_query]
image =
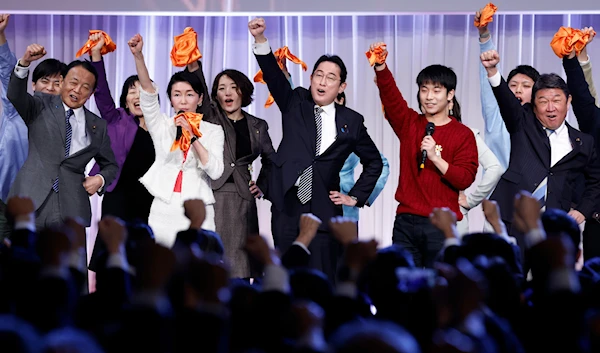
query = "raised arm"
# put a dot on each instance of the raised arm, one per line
(196, 69)
(496, 135)
(136, 43)
(27, 106)
(492, 171)
(584, 105)
(102, 96)
(586, 65)
(587, 204)
(7, 65)
(397, 112)
(511, 110)
(276, 80)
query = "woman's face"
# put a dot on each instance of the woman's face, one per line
(184, 98)
(228, 95)
(132, 100)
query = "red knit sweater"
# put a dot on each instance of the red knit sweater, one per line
(420, 191)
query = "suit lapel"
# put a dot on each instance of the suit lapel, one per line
(254, 134)
(230, 135)
(308, 116)
(60, 116)
(341, 127)
(576, 141)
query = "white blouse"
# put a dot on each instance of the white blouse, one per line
(162, 175)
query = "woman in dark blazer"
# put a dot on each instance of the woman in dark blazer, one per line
(246, 138)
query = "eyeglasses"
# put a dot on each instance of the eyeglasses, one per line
(329, 79)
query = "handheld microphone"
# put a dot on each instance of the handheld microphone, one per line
(429, 129)
(179, 131)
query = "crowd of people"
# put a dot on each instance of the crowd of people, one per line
(180, 262)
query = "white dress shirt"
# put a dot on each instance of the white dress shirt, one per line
(79, 136)
(560, 144)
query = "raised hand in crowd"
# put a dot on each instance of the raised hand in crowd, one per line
(344, 229)
(257, 247)
(113, 232)
(445, 220)
(309, 225)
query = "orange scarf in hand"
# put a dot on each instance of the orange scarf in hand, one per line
(376, 56)
(486, 15)
(184, 142)
(108, 47)
(185, 49)
(567, 39)
(280, 54)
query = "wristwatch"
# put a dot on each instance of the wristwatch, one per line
(193, 140)
(354, 198)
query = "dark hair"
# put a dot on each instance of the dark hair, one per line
(548, 81)
(340, 97)
(557, 222)
(129, 83)
(185, 76)
(526, 70)
(336, 60)
(245, 88)
(48, 68)
(446, 77)
(86, 65)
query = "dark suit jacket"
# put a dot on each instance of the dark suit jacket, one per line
(584, 105)
(44, 115)
(530, 161)
(297, 149)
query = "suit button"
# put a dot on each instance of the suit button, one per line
(232, 165)
(551, 174)
(535, 184)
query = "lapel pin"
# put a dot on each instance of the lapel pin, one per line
(578, 140)
(345, 128)
(257, 131)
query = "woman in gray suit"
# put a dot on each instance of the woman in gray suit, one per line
(246, 138)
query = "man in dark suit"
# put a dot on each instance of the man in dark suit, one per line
(588, 118)
(63, 137)
(547, 154)
(318, 136)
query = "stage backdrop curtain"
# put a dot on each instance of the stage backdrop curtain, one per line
(414, 41)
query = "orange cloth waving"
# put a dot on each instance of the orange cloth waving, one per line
(185, 50)
(109, 45)
(486, 15)
(376, 56)
(567, 39)
(184, 142)
(280, 54)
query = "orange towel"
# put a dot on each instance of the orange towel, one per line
(185, 49)
(486, 15)
(184, 142)
(567, 39)
(376, 56)
(109, 45)
(280, 54)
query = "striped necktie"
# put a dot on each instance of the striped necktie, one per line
(305, 186)
(68, 135)
(541, 192)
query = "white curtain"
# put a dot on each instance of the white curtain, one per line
(414, 41)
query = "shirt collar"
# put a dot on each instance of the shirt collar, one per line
(77, 112)
(329, 109)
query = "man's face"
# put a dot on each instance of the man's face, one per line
(434, 98)
(77, 87)
(325, 83)
(551, 106)
(48, 84)
(521, 85)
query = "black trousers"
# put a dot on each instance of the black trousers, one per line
(419, 237)
(5, 227)
(325, 249)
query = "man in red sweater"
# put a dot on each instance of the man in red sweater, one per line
(451, 163)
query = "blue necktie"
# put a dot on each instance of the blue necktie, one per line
(68, 135)
(541, 191)
(305, 186)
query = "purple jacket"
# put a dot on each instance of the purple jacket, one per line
(122, 126)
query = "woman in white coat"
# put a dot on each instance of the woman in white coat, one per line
(189, 153)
